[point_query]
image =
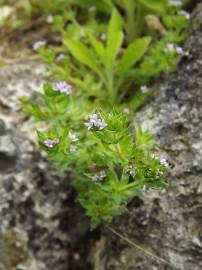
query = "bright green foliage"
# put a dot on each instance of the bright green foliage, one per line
(90, 127)
(122, 158)
(112, 70)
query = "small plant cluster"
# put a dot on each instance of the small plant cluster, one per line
(110, 53)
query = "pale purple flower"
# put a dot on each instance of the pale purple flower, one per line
(169, 48)
(63, 87)
(73, 137)
(49, 19)
(89, 125)
(185, 13)
(101, 124)
(94, 121)
(50, 143)
(179, 50)
(99, 176)
(175, 3)
(126, 110)
(144, 89)
(163, 162)
(38, 44)
(72, 148)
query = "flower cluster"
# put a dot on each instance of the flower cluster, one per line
(50, 143)
(162, 160)
(63, 87)
(94, 121)
(170, 47)
(98, 177)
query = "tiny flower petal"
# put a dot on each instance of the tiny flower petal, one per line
(179, 50)
(102, 124)
(169, 48)
(49, 19)
(63, 87)
(126, 110)
(144, 89)
(163, 162)
(72, 136)
(99, 176)
(94, 121)
(89, 125)
(50, 143)
(38, 44)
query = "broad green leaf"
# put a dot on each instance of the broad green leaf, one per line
(158, 6)
(114, 37)
(82, 54)
(134, 53)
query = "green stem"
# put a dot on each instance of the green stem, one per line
(117, 147)
(146, 252)
(130, 7)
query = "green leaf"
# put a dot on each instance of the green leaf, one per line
(82, 54)
(114, 37)
(48, 90)
(139, 99)
(158, 6)
(98, 47)
(134, 53)
(103, 5)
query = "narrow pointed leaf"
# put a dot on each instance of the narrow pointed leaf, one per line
(114, 36)
(134, 53)
(82, 54)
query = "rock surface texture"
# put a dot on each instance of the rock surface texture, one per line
(39, 223)
(42, 228)
(168, 223)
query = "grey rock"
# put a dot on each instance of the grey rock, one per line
(36, 200)
(43, 228)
